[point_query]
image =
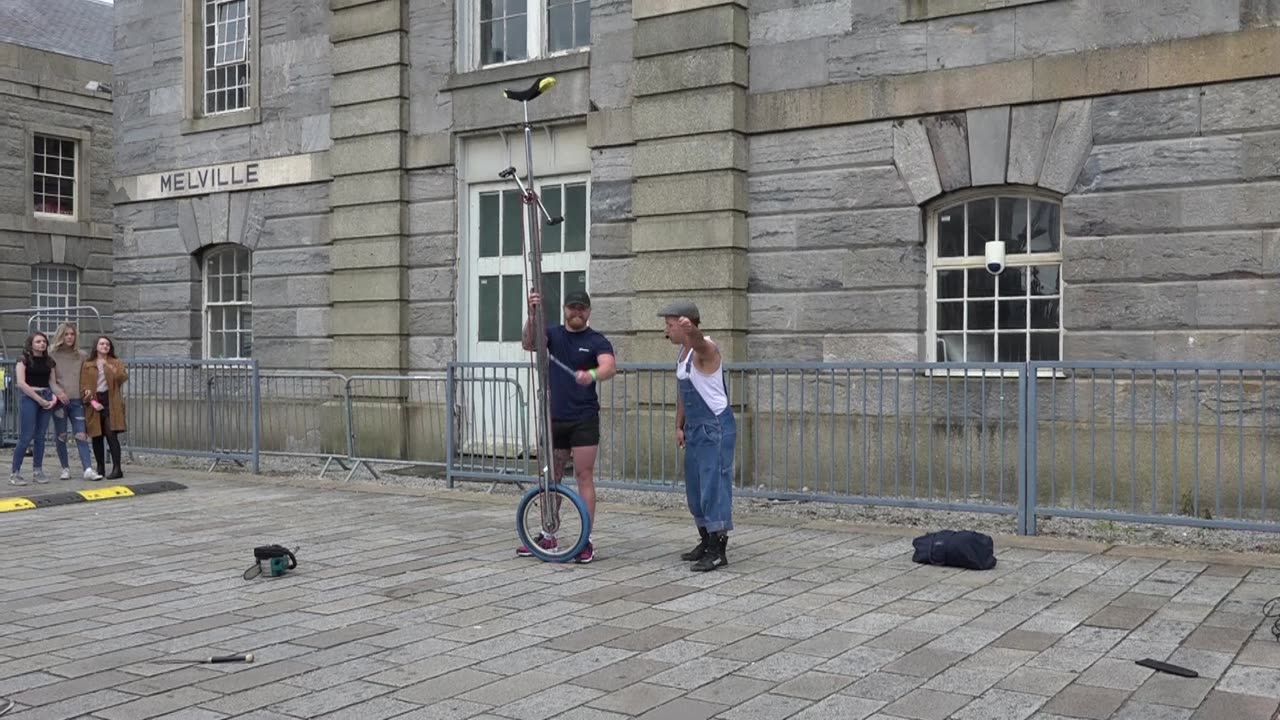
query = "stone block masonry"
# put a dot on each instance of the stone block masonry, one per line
(370, 285)
(689, 120)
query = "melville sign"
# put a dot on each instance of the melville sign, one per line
(210, 179)
(225, 177)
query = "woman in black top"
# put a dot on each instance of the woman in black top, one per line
(35, 408)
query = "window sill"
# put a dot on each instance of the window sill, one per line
(523, 70)
(922, 10)
(240, 118)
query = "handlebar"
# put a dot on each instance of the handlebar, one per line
(538, 87)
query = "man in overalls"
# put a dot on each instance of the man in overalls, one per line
(706, 429)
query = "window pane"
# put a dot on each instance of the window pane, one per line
(489, 305)
(490, 9)
(551, 295)
(1044, 314)
(491, 42)
(981, 283)
(228, 288)
(1013, 347)
(1013, 224)
(950, 284)
(512, 223)
(575, 217)
(1013, 315)
(513, 300)
(582, 23)
(559, 27)
(1044, 227)
(1013, 282)
(950, 348)
(575, 281)
(982, 315)
(980, 348)
(215, 344)
(1044, 280)
(551, 233)
(1044, 346)
(516, 38)
(951, 316)
(982, 225)
(951, 232)
(489, 223)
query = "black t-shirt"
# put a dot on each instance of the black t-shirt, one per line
(38, 371)
(578, 350)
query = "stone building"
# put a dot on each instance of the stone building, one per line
(55, 165)
(315, 184)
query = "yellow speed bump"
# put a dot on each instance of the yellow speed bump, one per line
(15, 503)
(106, 493)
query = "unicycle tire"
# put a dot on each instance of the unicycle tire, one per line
(561, 554)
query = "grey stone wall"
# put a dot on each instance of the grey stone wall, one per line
(294, 80)
(158, 277)
(807, 43)
(433, 263)
(1173, 232)
(44, 91)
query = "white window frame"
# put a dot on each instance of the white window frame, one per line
(221, 44)
(48, 323)
(536, 37)
(936, 263)
(78, 151)
(205, 305)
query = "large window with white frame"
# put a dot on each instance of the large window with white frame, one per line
(54, 176)
(1013, 316)
(54, 288)
(228, 303)
(226, 31)
(506, 31)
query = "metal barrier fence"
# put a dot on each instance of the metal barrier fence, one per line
(1170, 443)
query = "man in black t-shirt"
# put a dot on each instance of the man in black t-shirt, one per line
(575, 406)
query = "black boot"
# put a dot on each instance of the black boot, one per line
(715, 556)
(700, 549)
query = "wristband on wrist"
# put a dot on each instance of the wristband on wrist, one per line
(593, 374)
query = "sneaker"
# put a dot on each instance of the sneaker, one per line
(38, 476)
(66, 474)
(91, 474)
(587, 555)
(544, 542)
(16, 479)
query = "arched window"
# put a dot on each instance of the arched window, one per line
(228, 306)
(1014, 316)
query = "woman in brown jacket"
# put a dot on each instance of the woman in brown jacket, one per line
(102, 379)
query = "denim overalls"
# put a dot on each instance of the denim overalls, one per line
(708, 459)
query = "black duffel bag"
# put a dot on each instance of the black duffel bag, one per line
(955, 548)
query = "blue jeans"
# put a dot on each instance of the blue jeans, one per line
(33, 425)
(73, 411)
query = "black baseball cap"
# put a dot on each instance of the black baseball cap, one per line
(578, 297)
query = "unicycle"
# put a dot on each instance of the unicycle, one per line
(541, 507)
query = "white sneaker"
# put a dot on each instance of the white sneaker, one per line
(66, 474)
(91, 474)
(16, 479)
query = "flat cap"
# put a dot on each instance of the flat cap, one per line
(679, 308)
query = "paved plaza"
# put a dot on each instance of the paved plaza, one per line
(411, 604)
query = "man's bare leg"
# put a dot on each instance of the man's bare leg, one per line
(584, 463)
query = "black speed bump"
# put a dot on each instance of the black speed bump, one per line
(108, 492)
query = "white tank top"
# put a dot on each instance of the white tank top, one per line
(709, 387)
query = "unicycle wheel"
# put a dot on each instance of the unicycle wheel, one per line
(571, 536)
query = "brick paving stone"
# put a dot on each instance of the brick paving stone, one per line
(1205, 662)
(883, 686)
(1250, 680)
(926, 705)
(813, 685)
(844, 707)
(925, 663)
(254, 699)
(1000, 705)
(1173, 690)
(635, 699)
(155, 705)
(752, 648)
(684, 709)
(446, 686)
(1115, 674)
(1134, 710)
(1082, 701)
(1236, 707)
(1037, 681)
(1027, 640)
(1118, 616)
(621, 674)
(548, 703)
(766, 707)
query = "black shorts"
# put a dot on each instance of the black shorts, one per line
(568, 434)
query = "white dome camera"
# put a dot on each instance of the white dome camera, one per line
(995, 257)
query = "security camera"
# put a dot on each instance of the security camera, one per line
(995, 257)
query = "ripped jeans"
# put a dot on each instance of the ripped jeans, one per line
(73, 411)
